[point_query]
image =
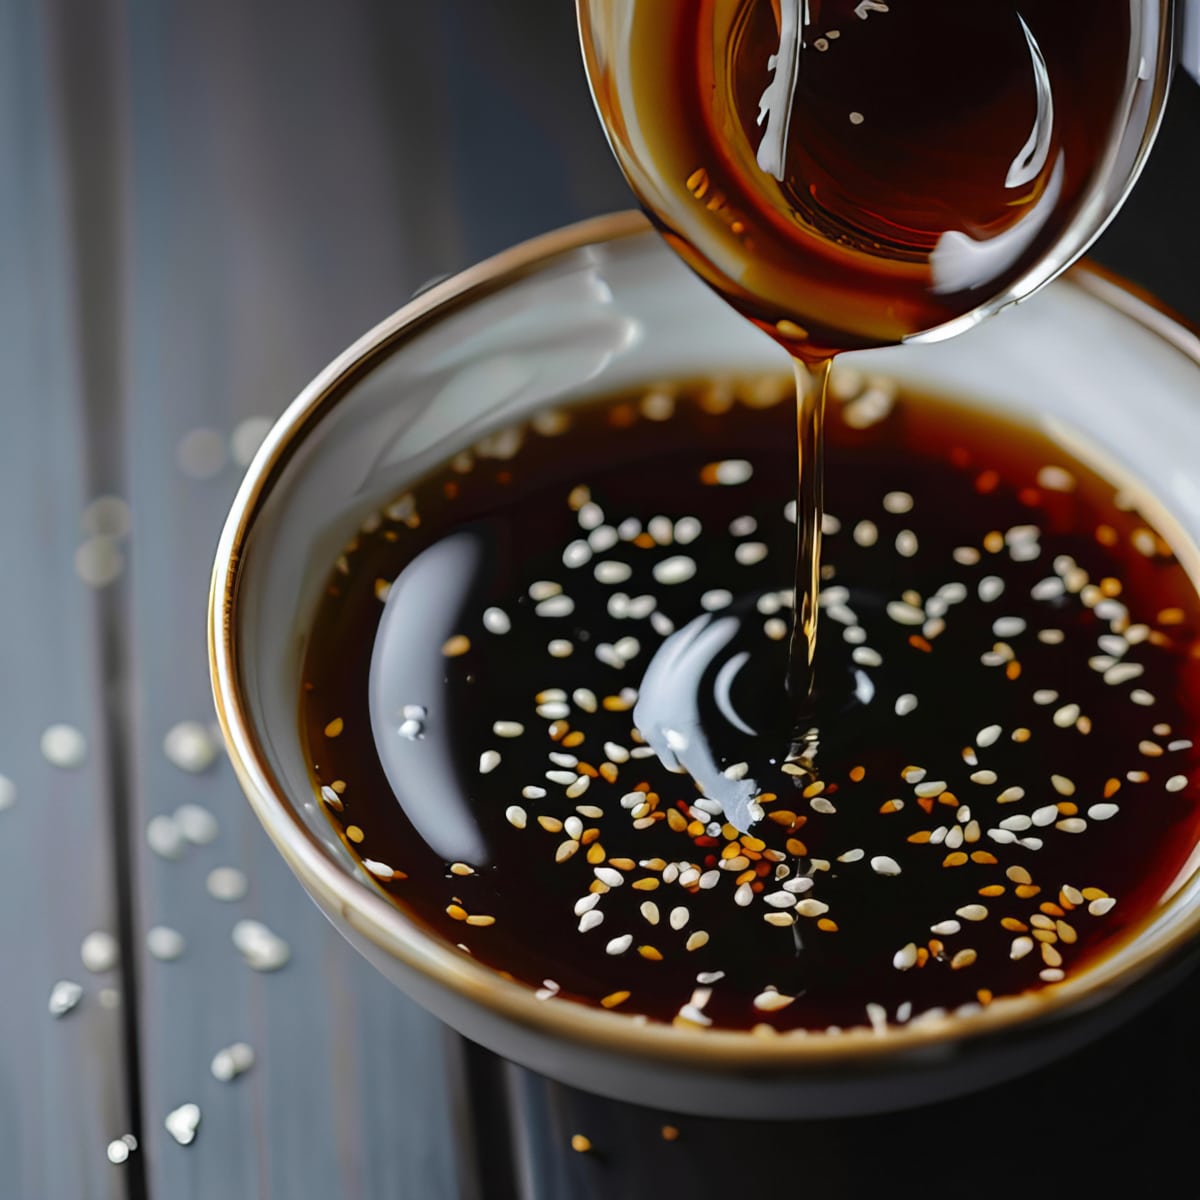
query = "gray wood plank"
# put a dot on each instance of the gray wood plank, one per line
(63, 1084)
(295, 172)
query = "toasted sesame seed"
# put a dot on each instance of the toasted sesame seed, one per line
(771, 1000)
(580, 1144)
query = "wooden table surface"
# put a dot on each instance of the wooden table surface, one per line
(201, 202)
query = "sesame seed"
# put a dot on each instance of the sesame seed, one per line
(99, 952)
(1102, 905)
(577, 554)
(864, 656)
(590, 920)
(580, 1144)
(750, 553)
(988, 736)
(906, 543)
(697, 940)
(64, 996)
(495, 620)
(945, 928)
(508, 729)
(771, 1000)
(905, 957)
(972, 912)
(1021, 946)
(881, 864)
(865, 534)
(905, 704)
(1066, 716)
(63, 746)
(678, 569)
(164, 943)
(560, 648)
(991, 587)
(232, 1061)
(898, 502)
(728, 473)
(555, 606)
(1177, 783)
(489, 760)
(1123, 673)
(964, 958)
(456, 646)
(619, 945)
(227, 884)
(904, 614)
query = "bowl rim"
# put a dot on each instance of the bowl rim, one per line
(390, 930)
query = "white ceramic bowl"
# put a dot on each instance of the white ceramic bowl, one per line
(590, 310)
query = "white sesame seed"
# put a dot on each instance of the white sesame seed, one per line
(678, 569)
(164, 837)
(554, 710)
(1046, 815)
(611, 571)
(164, 943)
(906, 543)
(489, 760)
(602, 538)
(555, 606)
(576, 554)
(821, 805)
(988, 736)
(732, 471)
(544, 589)
(865, 534)
(516, 816)
(1051, 975)
(1044, 696)
(586, 903)
(1098, 907)
(882, 864)
(945, 928)
(182, 1122)
(1142, 697)
(1123, 673)
(904, 614)
(972, 912)
(905, 704)
(508, 729)
(496, 620)
(1030, 843)
(991, 587)
(1066, 716)
(196, 824)
(865, 656)
(812, 908)
(983, 777)
(779, 899)
(1002, 837)
(1071, 825)
(1017, 823)
(619, 945)
(590, 515)
(932, 787)
(226, 883)
(610, 876)
(64, 746)
(64, 996)
(580, 786)
(744, 896)
(1007, 627)
(772, 1001)
(99, 952)
(232, 1061)
(687, 530)
(897, 502)
(905, 957)
(715, 599)
(1177, 783)
(590, 920)
(560, 648)
(750, 553)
